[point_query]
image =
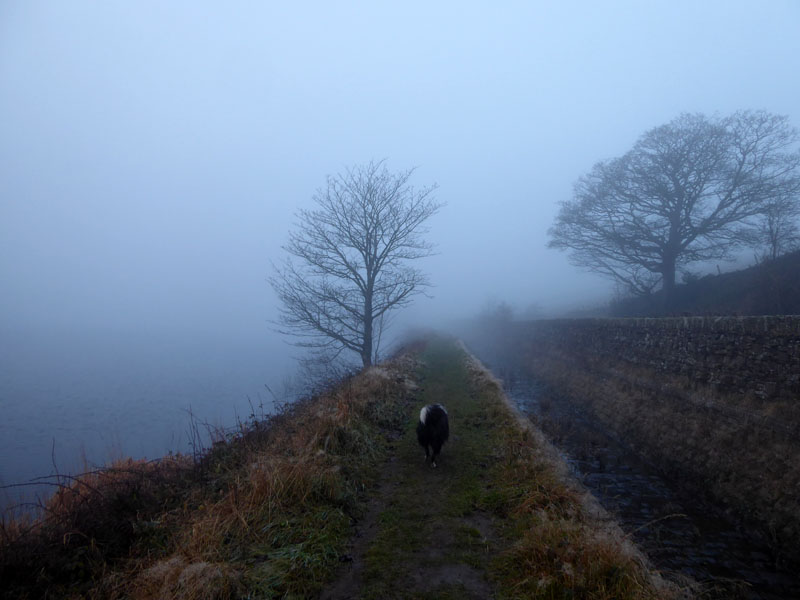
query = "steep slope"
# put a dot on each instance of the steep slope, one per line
(770, 288)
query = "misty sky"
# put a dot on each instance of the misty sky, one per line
(153, 154)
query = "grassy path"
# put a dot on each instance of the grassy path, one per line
(431, 542)
(494, 520)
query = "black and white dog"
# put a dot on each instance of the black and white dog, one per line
(433, 430)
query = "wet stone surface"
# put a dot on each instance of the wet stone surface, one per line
(681, 535)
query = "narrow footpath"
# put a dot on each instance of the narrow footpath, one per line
(496, 519)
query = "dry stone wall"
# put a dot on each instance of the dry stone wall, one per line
(749, 356)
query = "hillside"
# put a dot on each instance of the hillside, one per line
(770, 288)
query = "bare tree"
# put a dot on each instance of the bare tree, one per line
(687, 191)
(778, 231)
(349, 260)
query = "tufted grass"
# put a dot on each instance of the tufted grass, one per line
(265, 513)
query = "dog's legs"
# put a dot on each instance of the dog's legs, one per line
(436, 449)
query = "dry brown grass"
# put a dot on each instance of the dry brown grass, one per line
(563, 545)
(268, 510)
(177, 579)
(90, 520)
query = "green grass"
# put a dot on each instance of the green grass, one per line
(429, 506)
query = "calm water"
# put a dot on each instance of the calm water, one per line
(82, 400)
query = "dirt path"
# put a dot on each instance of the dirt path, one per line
(422, 535)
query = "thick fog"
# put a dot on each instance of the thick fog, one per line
(153, 154)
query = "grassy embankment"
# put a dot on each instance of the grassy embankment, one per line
(272, 512)
(266, 513)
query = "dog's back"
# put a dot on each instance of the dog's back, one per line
(433, 430)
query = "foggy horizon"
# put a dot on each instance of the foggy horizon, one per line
(153, 157)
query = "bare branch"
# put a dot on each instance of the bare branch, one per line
(351, 256)
(687, 191)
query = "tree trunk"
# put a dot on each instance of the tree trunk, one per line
(366, 347)
(668, 283)
(366, 354)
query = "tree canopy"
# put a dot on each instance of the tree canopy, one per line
(350, 260)
(687, 191)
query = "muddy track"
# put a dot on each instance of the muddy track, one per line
(350, 581)
(433, 568)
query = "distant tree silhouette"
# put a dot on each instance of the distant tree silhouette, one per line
(778, 231)
(495, 312)
(349, 261)
(687, 191)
